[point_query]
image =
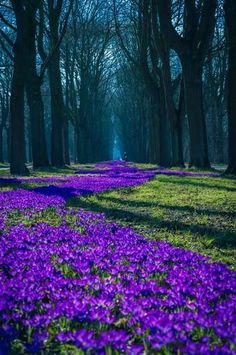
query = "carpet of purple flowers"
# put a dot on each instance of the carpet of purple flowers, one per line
(87, 284)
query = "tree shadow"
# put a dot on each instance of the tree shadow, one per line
(67, 170)
(201, 184)
(187, 209)
(9, 183)
(221, 239)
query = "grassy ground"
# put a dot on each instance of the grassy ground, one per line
(194, 213)
(5, 171)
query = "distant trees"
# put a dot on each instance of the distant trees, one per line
(27, 80)
(179, 49)
(87, 66)
(132, 112)
(132, 24)
(157, 33)
(156, 76)
(76, 71)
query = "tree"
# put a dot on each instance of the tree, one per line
(158, 46)
(230, 15)
(191, 47)
(5, 80)
(17, 150)
(89, 70)
(33, 90)
(215, 91)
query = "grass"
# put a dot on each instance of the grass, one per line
(189, 212)
(50, 171)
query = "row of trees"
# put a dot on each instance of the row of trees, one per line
(55, 49)
(180, 99)
(157, 77)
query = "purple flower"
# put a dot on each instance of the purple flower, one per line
(98, 285)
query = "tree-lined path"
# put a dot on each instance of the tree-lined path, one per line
(86, 81)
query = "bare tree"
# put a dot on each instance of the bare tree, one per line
(230, 13)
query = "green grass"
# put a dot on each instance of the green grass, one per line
(191, 212)
(67, 170)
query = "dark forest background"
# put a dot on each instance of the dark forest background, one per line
(87, 80)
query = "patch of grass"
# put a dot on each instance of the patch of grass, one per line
(4, 165)
(4, 172)
(67, 170)
(190, 212)
(48, 216)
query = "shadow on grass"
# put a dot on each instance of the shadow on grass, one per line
(9, 183)
(187, 209)
(201, 184)
(52, 171)
(221, 239)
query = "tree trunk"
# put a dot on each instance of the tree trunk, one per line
(66, 117)
(192, 74)
(34, 96)
(180, 114)
(154, 135)
(176, 159)
(55, 83)
(165, 132)
(220, 137)
(82, 150)
(8, 150)
(35, 102)
(66, 142)
(17, 150)
(230, 11)
(57, 112)
(75, 143)
(199, 24)
(1, 144)
(30, 155)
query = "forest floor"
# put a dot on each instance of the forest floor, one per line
(117, 258)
